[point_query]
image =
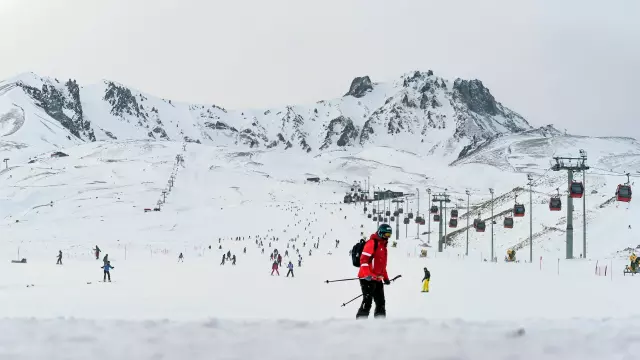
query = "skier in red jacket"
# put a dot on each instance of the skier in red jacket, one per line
(373, 273)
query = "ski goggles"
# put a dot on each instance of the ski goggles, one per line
(386, 235)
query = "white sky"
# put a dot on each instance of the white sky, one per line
(573, 63)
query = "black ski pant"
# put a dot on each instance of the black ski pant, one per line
(106, 275)
(372, 291)
(59, 262)
(290, 272)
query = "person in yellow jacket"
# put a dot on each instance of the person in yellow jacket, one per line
(425, 280)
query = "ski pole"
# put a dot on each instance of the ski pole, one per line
(359, 296)
(350, 301)
(331, 281)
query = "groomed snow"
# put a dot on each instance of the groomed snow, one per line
(157, 308)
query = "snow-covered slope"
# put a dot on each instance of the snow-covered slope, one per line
(420, 112)
(224, 200)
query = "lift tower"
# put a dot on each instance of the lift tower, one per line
(441, 198)
(570, 164)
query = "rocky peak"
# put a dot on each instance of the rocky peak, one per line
(475, 96)
(360, 86)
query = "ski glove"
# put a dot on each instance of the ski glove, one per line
(387, 282)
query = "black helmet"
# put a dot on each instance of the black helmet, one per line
(384, 229)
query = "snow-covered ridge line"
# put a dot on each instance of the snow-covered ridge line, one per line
(420, 112)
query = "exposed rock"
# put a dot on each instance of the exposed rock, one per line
(360, 86)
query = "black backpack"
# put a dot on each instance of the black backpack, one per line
(357, 249)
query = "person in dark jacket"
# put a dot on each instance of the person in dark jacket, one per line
(106, 269)
(373, 273)
(290, 267)
(59, 262)
(224, 258)
(105, 259)
(97, 252)
(425, 280)
(274, 267)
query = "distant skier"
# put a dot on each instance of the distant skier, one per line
(229, 255)
(286, 253)
(270, 256)
(233, 259)
(300, 262)
(224, 258)
(290, 267)
(274, 267)
(337, 243)
(180, 258)
(279, 260)
(425, 280)
(105, 259)
(263, 252)
(245, 250)
(309, 252)
(97, 252)
(59, 262)
(106, 269)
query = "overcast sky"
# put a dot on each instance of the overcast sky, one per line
(573, 63)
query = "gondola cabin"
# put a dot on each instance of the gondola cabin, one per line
(434, 210)
(518, 210)
(386, 220)
(419, 219)
(481, 226)
(475, 222)
(453, 223)
(576, 190)
(393, 218)
(406, 221)
(375, 218)
(436, 218)
(401, 210)
(410, 215)
(369, 216)
(365, 208)
(387, 213)
(454, 213)
(623, 193)
(555, 204)
(508, 223)
(396, 213)
(422, 222)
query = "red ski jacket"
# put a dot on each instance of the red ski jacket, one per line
(375, 267)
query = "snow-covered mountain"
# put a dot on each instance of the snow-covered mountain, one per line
(420, 112)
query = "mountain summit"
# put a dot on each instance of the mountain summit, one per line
(418, 112)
